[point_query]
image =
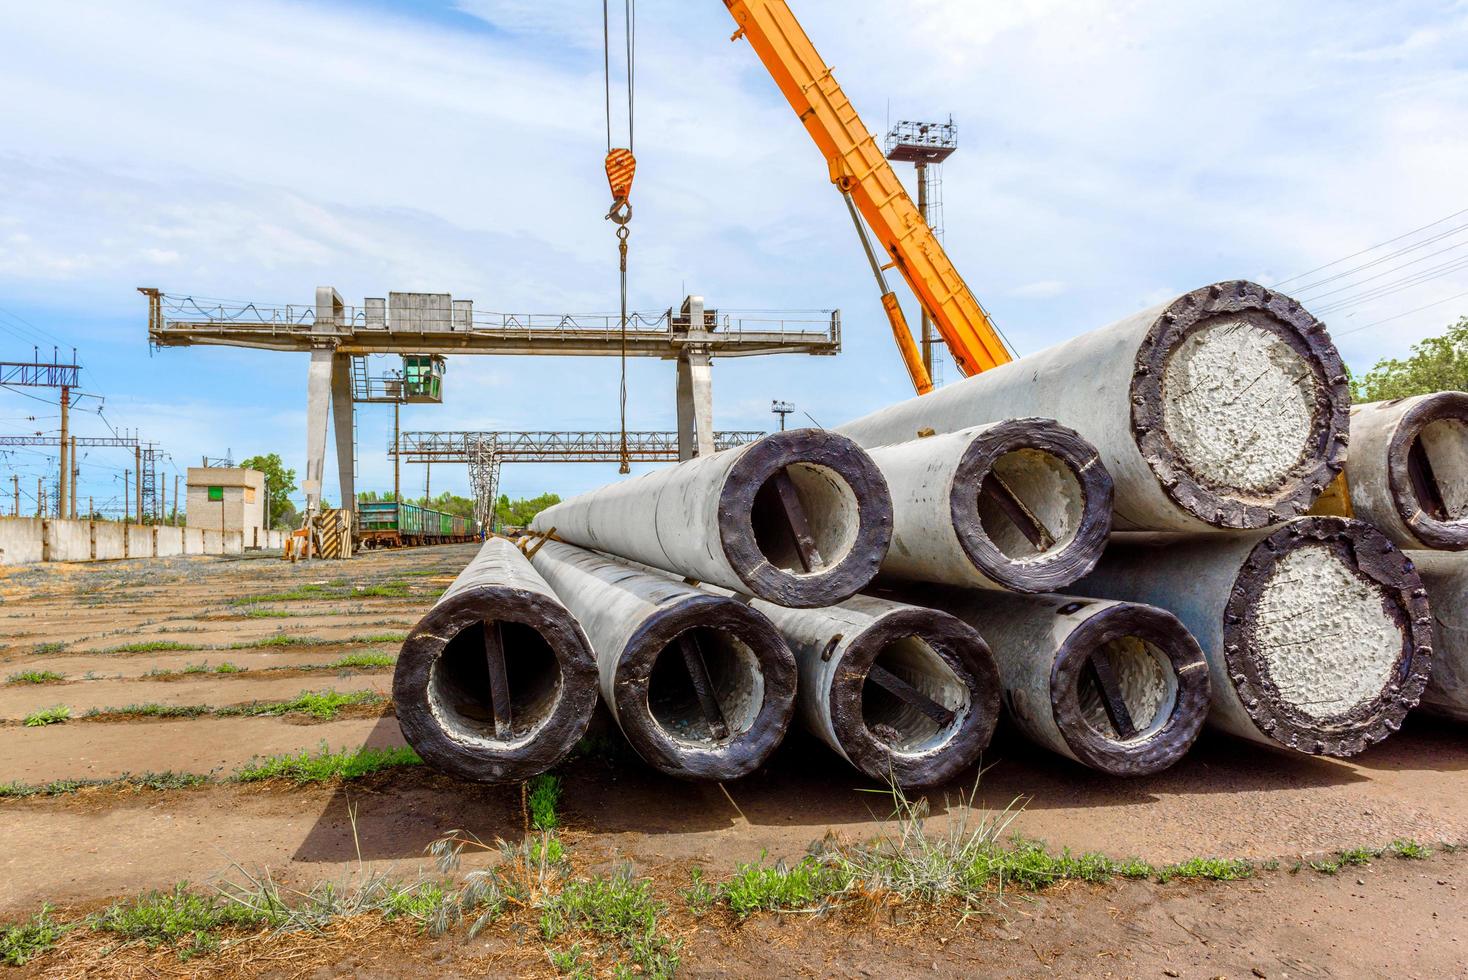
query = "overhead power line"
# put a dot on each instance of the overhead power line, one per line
(1389, 241)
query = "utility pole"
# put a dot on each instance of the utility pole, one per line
(76, 469)
(127, 482)
(138, 475)
(396, 485)
(15, 480)
(175, 499)
(921, 167)
(427, 474)
(782, 409)
(40, 496)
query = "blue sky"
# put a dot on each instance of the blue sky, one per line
(1111, 154)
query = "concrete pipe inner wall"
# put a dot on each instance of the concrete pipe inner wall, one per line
(442, 684)
(1223, 408)
(905, 693)
(1408, 469)
(800, 518)
(735, 680)
(1022, 505)
(1446, 578)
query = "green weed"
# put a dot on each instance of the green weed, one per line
(268, 614)
(35, 677)
(48, 716)
(160, 918)
(700, 895)
(380, 638)
(151, 709)
(619, 907)
(363, 661)
(277, 640)
(1210, 869)
(545, 793)
(757, 887)
(151, 646)
(322, 705)
(65, 787)
(1409, 849)
(52, 647)
(325, 765)
(24, 941)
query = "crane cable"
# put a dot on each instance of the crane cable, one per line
(620, 167)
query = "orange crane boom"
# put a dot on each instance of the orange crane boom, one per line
(861, 172)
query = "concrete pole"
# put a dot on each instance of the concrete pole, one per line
(342, 409)
(497, 682)
(1446, 578)
(926, 334)
(138, 475)
(175, 500)
(1317, 634)
(1117, 686)
(695, 386)
(65, 475)
(1224, 408)
(800, 518)
(127, 482)
(1408, 470)
(902, 693)
(702, 685)
(397, 488)
(15, 486)
(76, 470)
(1023, 505)
(40, 498)
(318, 401)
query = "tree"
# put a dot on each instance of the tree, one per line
(1435, 364)
(518, 513)
(280, 482)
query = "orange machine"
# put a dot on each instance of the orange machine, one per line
(871, 187)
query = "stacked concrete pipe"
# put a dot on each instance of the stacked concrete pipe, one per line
(798, 518)
(1318, 633)
(1118, 686)
(1446, 578)
(1022, 504)
(497, 682)
(701, 684)
(1223, 408)
(905, 694)
(1408, 470)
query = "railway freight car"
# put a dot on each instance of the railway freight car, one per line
(384, 524)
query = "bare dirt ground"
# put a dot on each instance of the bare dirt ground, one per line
(107, 627)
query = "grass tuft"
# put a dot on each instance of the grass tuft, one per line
(281, 639)
(545, 794)
(1208, 869)
(325, 765)
(24, 941)
(807, 884)
(322, 705)
(380, 638)
(48, 716)
(364, 661)
(150, 709)
(166, 918)
(35, 677)
(55, 646)
(151, 646)
(65, 787)
(1409, 849)
(617, 906)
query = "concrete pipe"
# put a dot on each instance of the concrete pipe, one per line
(497, 683)
(1446, 579)
(1317, 634)
(1408, 469)
(901, 692)
(1023, 505)
(799, 518)
(1117, 686)
(702, 685)
(1224, 408)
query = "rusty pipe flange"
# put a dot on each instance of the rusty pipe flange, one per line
(1330, 425)
(1165, 739)
(870, 517)
(742, 751)
(1450, 535)
(1373, 558)
(1074, 558)
(465, 744)
(964, 652)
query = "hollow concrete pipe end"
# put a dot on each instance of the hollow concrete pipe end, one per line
(443, 703)
(754, 682)
(961, 677)
(842, 498)
(1290, 486)
(1390, 574)
(1446, 411)
(1159, 667)
(1082, 498)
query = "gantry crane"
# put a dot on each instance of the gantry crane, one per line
(872, 190)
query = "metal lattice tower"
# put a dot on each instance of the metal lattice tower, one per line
(926, 145)
(484, 478)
